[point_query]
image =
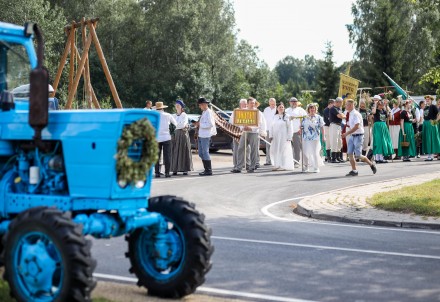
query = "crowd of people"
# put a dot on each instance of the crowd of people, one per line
(174, 142)
(372, 132)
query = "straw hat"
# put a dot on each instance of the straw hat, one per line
(160, 105)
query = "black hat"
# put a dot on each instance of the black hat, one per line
(202, 100)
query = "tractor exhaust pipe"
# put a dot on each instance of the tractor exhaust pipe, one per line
(39, 92)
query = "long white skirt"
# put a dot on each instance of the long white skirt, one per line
(312, 154)
(394, 133)
(282, 155)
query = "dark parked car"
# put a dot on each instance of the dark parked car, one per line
(219, 141)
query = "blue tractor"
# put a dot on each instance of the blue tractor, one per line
(68, 174)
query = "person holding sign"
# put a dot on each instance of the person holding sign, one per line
(235, 154)
(280, 136)
(252, 129)
(296, 113)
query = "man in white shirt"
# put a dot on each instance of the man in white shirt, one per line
(235, 153)
(207, 129)
(251, 138)
(164, 139)
(296, 114)
(356, 138)
(269, 113)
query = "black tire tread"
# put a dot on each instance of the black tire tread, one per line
(76, 248)
(198, 248)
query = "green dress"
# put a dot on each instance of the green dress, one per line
(409, 136)
(323, 146)
(382, 143)
(430, 132)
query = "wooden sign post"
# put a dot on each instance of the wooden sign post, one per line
(246, 117)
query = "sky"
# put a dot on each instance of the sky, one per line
(295, 27)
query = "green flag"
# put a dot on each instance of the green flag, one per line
(400, 91)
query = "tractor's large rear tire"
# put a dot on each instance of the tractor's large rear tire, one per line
(47, 258)
(189, 249)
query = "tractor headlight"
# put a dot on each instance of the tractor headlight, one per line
(140, 184)
(122, 183)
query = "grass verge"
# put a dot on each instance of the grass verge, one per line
(5, 297)
(423, 199)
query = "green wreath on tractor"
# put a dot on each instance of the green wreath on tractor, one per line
(128, 170)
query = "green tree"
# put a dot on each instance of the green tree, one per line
(296, 74)
(396, 37)
(327, 77)
(50, 20)
(427, 24)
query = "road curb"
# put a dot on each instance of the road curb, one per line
(323, 209)
(300, 210)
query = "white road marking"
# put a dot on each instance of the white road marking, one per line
(248, 295)
(265, 210)
(324, 247)
(210, 290)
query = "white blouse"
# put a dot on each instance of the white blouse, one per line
(182, 120)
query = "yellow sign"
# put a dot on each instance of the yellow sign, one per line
(246, 117)
(348, 86)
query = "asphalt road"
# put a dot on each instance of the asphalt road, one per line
(264, 252)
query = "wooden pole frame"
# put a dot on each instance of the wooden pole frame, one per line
(105, 66)
(87, 28)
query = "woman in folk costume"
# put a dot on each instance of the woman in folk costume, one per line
(181, 158)
(394, 121)
(280, 136)
(430, 133)
(312, 126)
(382, 145)
(365, 113)
(438, 121)
(406, 134)
(344, 130)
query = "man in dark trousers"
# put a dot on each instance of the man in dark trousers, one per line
(207, 129)
(330, 104)
(335, 131)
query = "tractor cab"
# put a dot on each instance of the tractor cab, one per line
(17, 59)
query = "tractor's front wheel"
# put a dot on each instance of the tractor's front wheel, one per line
(188, 249)
(47, 258)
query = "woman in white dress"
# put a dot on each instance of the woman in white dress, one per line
(312, 126)
(280, 135)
